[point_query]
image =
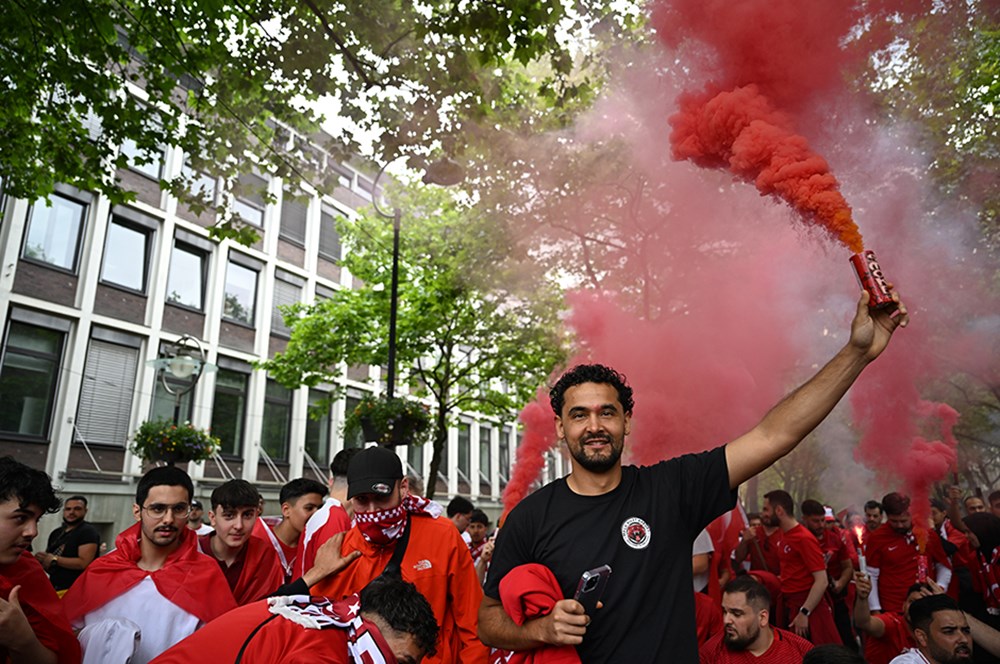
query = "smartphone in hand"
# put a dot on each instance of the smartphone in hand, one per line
(591, 588)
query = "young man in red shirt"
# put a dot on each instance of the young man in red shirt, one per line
(887, 634)
(33, 626)
(803, 573)
(299, 499)
(331, 518)
(747, 635)
(249, 564)
(839, 569)
(893, 556)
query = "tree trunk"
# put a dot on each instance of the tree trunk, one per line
(440, 440)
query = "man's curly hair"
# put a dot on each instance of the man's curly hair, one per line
(401, 605)
(590, 373)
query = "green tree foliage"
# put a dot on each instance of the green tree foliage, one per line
(942, 77)
(80, 77)
(476, 331)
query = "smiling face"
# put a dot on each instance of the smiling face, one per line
(18, 527)
(594, 425)
(233, 525)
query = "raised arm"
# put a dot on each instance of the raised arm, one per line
(863, 619)
(800, 412)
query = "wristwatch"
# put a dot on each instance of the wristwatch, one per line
(804, 611)
(55, 560)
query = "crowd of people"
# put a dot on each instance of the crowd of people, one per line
(612, 563)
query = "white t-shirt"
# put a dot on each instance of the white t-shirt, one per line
(162, 622)
(702, 544)
(910, 656)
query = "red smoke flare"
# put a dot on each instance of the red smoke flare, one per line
(539, 433)
(739, 130)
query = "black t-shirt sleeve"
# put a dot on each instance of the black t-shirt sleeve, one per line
(513, 548)
(89, 535)
(704, 494)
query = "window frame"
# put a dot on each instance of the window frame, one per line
(53, 324)
(81, 230)
(183, 245)
(239, 443)
(246, 263)
(272, 401)
(135, 222)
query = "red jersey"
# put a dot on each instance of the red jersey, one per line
(800, 556)
(253, 634)
(707, 618)
(41, 607)
(763, 553)
(255, 573)
(835, 552)
(895, 639)
(324, 523)
(895, 556)
(786, 648)
(438, 563)
(264, 529)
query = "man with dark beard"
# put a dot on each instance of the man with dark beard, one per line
(747, 635)
(71, 547)
(642, 521)
(941, 631)
(155, 582)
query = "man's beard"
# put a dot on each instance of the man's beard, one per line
(949, 657)
(740, 642)
(597, 464)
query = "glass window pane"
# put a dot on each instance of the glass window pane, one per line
(484, 452)
(241, 293)
(249, 213)
(415, 457)
(125, 257)
(164, 402)
(27, 382)
(503, 463)
(277, 420)
(350, 403)
(152, 169)
(54, 232)
(184, 283)
(318, 431)
(464, 434)
(229, 410)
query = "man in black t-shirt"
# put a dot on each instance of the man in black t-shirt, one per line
(642, 521)
(71, 547)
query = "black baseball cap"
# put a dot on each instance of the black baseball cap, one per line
(196, 505)
(373, 470)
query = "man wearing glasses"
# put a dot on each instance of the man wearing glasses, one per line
(155, 588)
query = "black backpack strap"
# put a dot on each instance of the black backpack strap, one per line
(394, 566)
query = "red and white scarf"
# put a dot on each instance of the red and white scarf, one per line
(364, 642)
(383, 527)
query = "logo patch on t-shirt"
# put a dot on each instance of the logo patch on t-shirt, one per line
(636, 533)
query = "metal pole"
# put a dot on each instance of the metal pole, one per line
(390, 381)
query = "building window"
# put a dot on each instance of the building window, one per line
(277, 420)
(249, 200)
(415, 458)
(241, 293)
(358, 439)
(126, 255)
(484, 454)
(503, 458)
(165, 404)
(294, 217)
(28, 379)
(201, 185)
(464, 449)
(106, 393)
(54, 231)
(186, 280)
(152, 169)
(329, 240)
(318, 430)
(229, 410)
(285, 293)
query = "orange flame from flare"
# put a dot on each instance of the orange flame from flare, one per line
(860, 532)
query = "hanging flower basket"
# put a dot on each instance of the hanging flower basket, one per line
(162, 440)
(393, 421)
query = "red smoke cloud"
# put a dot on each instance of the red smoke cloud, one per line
(716, 305)
(739, 130)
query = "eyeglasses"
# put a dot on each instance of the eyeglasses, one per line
(159, 510)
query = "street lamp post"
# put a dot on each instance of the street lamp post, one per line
(186, 362)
